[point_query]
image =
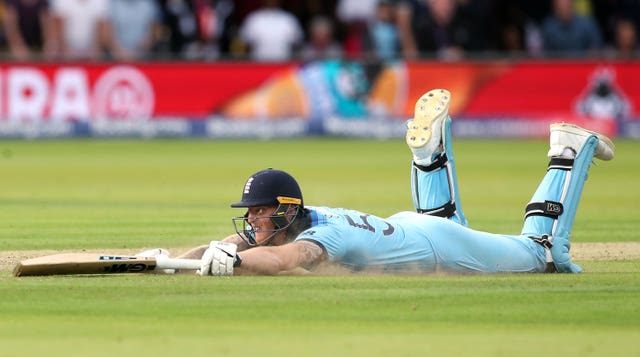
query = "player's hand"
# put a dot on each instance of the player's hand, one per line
(154, 253)
(218, 259)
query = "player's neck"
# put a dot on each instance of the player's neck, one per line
(301, 223)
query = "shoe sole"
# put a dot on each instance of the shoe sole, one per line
(604, 144)
(432, 106)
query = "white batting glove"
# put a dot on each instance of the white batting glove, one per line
(218, 259)
(154, 253)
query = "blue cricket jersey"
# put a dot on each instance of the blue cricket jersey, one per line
(409, 241)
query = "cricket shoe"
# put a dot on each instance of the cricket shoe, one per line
(424, 131)
(571, 136)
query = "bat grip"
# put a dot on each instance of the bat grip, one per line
(163, 262)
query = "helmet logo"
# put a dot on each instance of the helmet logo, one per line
(247, 186)
(289, 200)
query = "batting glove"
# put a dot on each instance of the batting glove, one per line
(218, 259)
(154, 253)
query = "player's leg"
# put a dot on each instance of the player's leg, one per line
(550, 213)
(457, 248)
(434, 185)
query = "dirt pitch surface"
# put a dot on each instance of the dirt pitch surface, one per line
(579, 251)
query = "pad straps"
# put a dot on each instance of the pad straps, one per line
(544, 240)
(560, 164)
(437, 164)
(549, 209)
(445, 211)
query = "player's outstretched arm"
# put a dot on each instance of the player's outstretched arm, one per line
(238, 241)
(196, 253)
(281, 259)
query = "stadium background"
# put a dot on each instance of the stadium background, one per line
(222, 90)
(123, 196)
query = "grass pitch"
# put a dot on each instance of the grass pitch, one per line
(130, 195)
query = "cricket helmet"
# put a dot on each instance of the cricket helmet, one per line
(269, 187)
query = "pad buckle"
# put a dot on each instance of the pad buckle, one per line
(560, 164)
(438, 163)
(544, 240)
(445, 211)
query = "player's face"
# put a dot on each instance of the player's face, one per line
(259, 218)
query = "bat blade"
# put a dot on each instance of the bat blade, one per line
(89, 263)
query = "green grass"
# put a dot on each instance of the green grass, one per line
(313, 316)
(84, 194)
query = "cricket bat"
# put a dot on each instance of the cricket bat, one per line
(88, 263)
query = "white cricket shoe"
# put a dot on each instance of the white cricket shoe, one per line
(424, 131)
(564, 135)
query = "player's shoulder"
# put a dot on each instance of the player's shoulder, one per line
(324, 213)
(330, 210)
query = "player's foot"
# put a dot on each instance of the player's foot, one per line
(571, 136)
(424, 131)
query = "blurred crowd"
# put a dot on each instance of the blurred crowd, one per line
(277, 30)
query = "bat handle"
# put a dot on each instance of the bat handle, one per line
(163, 262)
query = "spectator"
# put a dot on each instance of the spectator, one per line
(211, 18)
(384, 41)
(405, 10)
(355, 15)
(3, 38)
(271, 33)
(619, 20)
(475, 17)
(180, 28)
(356, 10)
(566, 33)
(321, 43)
(81, 28)
(514, 32)
(134, 25)
(626, 39)
(27, 25)
(442, 29)
(307, 10)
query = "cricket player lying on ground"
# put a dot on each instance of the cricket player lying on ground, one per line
(278, 233)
